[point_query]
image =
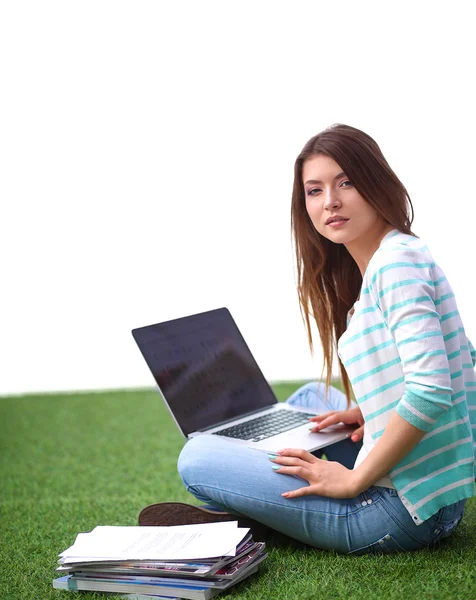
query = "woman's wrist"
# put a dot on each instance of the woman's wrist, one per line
(359, 483)
(361, 480)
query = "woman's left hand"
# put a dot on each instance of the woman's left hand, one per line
(326, 478)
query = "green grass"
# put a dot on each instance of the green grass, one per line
(71, 462)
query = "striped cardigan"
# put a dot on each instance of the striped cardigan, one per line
(405, 349)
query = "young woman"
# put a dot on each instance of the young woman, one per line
(379, 298)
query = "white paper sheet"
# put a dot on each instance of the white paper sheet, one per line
(181, 542)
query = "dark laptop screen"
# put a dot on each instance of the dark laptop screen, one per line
(204, 369)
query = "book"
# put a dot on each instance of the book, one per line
(62, 584)
(196, 562)
(203, 568)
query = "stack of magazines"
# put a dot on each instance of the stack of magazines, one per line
(187, 561)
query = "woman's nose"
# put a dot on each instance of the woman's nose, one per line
(332, 200)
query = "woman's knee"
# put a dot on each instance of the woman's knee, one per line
(305, 395)
(190, 457)
(314, 396)
(200, 455)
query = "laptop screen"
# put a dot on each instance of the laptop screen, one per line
(204, 369)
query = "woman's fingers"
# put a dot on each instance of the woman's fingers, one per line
(358, 434)
(348, 417)
(298, 471)
(319, 418)
(305, 491)
(298, 453)
(332, 419)
(293, 461)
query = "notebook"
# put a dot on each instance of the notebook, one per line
(212, 385)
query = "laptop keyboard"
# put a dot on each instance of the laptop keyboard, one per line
(267, 425)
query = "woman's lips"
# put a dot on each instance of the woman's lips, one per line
(339, 223)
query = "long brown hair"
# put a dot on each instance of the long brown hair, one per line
(328, 278)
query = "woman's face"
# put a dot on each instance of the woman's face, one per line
(335, 207)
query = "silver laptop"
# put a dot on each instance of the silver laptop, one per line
(212, 385)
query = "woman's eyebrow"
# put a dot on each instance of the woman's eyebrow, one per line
(314, 181)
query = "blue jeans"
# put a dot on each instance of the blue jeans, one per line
(241, 481)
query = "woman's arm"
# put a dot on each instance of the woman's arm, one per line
(333, 480)
(403, 288)
(398, 439)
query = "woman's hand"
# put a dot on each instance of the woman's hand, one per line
(348, 417)
(325, 478)
(333, 480)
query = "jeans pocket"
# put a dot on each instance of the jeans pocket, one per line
(385, 545)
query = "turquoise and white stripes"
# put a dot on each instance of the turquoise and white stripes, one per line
(405, 349)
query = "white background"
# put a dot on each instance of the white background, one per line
(146, 162)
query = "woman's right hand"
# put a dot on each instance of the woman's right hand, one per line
(352, 416)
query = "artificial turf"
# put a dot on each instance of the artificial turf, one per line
(70, 462)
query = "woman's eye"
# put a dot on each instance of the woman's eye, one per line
(313, 191)
(346, 182)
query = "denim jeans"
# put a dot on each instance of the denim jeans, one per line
(241, 481)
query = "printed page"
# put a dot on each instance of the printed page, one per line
(182, 542)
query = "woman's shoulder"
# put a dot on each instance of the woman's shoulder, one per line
(397, 251)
